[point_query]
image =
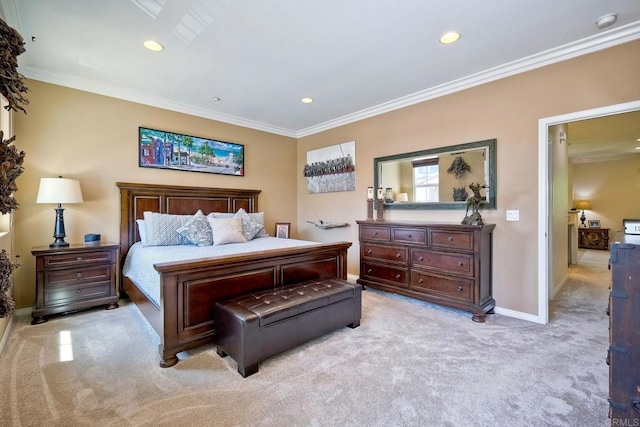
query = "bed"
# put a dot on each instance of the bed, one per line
(188, 289)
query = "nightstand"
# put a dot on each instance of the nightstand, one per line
(74, 278)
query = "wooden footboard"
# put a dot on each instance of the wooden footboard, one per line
(189, 289)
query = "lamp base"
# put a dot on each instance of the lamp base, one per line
(59, 243)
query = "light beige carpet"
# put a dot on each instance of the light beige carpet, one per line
(408, 364)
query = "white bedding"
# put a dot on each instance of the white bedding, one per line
(138, 265)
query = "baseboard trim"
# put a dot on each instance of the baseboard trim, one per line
(519, 315)
(23, 311)
(5, 336)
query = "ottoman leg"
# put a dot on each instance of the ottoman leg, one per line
(245, 371)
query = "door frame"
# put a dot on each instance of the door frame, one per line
(544, 197)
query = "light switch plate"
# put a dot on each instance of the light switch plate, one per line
(513, 215)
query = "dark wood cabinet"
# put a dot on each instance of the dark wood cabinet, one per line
(75, 277)
(593, 238)
(624, 331)
(447, 264)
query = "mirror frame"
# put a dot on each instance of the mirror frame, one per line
(491, 157)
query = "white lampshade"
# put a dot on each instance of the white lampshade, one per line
(402, 197)
(59, 190)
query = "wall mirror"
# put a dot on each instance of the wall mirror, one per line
(438, 178)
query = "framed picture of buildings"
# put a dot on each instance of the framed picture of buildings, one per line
(168, 150)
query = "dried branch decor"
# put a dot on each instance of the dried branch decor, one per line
(11, 82)
(7, 305)
(459, 167)
(10, 169)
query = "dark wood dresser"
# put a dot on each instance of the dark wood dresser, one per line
(593, 238)
(75, 277)
(447, 264)
(624, 331)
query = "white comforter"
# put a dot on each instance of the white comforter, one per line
(138, 265)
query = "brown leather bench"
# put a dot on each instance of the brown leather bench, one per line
(251, 328)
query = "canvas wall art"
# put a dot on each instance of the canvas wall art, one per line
(331, 169)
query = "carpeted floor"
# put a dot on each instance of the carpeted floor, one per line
(408, 364)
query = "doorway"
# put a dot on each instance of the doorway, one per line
(545, 237)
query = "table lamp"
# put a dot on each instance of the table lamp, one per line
(59, 190)
(582, 205)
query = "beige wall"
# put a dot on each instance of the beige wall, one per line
(509, 110)
(94, 138)
(612, 188)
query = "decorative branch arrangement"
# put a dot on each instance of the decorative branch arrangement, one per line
(11, 82)
(10, 169)
(7, 304)
(459, 167)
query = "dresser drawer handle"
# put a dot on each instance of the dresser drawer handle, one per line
(369, 271)
(375, 233)
(78, 274)
(398, 255)
(78, 292)
(398, 276)
(369, 252)
(420, 258)
(408, 236)
(421, 281)
(450, 239)
(79, 259)
(460, 288)
(460, 263)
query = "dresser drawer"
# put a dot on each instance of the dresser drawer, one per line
(451, 239)
(78, 275)
(382, 234)
(410, 235)
(385, 253)
(396, 276)
(71, 294)
(456, 263)
(449, 287)
(70, 259)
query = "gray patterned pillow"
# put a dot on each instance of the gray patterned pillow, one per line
(250, 227)
(226, 230)
(161, 229)
(197, 230)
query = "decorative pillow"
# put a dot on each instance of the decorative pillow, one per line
(250, 228)
(197, 230)
(259, 218)
(161, 229)
(226, 230)
(142, 231)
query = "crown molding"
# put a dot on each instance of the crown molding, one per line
(587, 45)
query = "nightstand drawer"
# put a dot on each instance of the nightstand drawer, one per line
(79, 275)
(385, 253)
(447, 262)
(69, 294)
(449, 287)
(70, 259)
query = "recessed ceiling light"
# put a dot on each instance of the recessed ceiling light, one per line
(153, 45)
(307, 100)
(637, 148)
(606, 20)
(217, 98)
(449, 37)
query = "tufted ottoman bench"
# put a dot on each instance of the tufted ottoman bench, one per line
(254, 327)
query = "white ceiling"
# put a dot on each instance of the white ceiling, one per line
(355, 58)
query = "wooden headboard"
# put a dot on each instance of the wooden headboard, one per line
(174, 199)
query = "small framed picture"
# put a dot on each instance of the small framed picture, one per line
(594, 223)
(282, 229)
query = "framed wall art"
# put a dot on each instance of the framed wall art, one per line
(331, 168)
(167, 150)
(594, 223)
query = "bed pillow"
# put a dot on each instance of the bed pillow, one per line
(142, 231)
(256, 216)
(197, 230)
(250, 227)
(161, 229)
(226, 230)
